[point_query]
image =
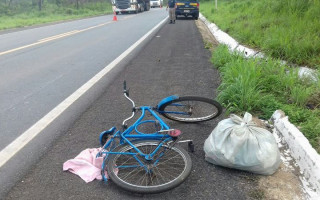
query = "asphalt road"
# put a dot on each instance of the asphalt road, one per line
(174, 61)
(40, 67)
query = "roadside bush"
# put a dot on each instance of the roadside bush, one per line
(262, 86)
(223, 57)
(241, 88)
(311, 130)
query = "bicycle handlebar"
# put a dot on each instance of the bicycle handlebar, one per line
(126, 94)
(125, 91)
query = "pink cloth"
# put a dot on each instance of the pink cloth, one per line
(86, 165)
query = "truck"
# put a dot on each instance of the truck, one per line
(156, 3)
(130, 6)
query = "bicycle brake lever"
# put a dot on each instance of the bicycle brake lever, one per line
(125, 91)
(124, 126)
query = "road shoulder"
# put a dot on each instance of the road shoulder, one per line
(285, 183)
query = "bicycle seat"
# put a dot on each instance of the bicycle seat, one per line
(175, 133)
(105, 134)
(166, 100)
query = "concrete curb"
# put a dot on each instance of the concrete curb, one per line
(301, 150)
(224, 38)
(233, 45)
(305, 156)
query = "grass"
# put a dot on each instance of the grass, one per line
(286, 29)
(50, 13)
(261, 86)
(283, 30)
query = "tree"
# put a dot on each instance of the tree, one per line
(40, 4)
(58, 2)
(10, 1)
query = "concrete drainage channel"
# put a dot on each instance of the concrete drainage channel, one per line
(307, 159)
(305, 156)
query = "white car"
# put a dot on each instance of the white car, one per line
(156, 3)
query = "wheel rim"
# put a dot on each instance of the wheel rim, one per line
(169, 167)
(194, 110)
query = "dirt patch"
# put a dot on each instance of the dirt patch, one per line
(208, 39)
(285, 183)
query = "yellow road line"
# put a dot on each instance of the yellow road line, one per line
(48, 39)
(59, 36)
(15, 146)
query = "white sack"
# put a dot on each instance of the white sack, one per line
(239, 143)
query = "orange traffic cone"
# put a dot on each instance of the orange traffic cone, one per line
(114, 16)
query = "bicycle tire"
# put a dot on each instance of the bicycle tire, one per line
(208, 109)
(145, 182)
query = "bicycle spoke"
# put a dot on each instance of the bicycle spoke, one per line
(151, 177)
(167, 167)
(142, 180)
(169, 159)
(191, 109)
(132, 173)
(167, 172)
(160, 176)
(123, 163)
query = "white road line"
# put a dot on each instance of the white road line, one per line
(9, 151)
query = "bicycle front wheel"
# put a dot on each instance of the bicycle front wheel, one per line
(191, 109)
(169, 168)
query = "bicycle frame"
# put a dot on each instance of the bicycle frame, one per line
(166, 100)
(127, 137)
(126, 134)
(144, 161)
(175, 112)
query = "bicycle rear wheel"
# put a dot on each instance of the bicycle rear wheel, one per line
(191, 109)
(158, 175)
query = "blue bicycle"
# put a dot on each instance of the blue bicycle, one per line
(152, 162)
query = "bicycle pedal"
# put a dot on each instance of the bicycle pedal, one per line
(191, 146)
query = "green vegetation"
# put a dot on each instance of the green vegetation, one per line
(21, 13)
(284, 29)
(261, 86)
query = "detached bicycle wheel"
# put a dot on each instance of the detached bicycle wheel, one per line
(191, 109)
(169, 168)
